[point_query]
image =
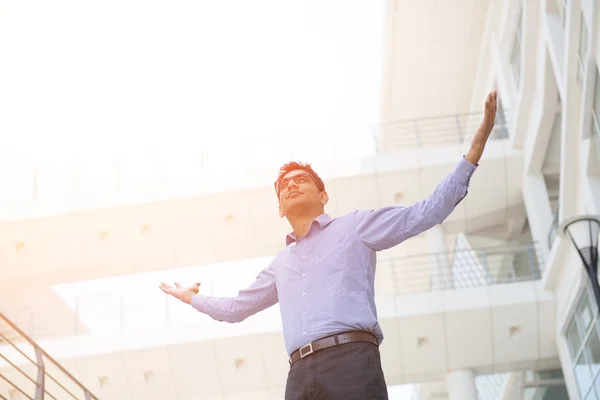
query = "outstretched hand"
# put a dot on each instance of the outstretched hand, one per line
(179, 292)
(485, 128)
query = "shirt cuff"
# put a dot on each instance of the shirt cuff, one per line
(464, 170)
(198, 301)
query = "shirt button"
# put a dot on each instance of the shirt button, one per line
(467, 173)
(304, 313)
(303, 255)
(304, 274)
(304, 333)
(303, 294)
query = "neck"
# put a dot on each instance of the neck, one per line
(301, 223)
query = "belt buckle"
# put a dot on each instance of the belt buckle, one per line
(308, 353)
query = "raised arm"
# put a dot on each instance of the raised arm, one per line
(260, 295)
(386, 227)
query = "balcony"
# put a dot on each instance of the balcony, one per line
(425, 304)
(29, 371)
(447, 130)
(109, 308)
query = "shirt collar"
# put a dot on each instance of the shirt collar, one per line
(323, 220)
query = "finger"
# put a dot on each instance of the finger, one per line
(164, 285)
(177, 285)
(197, 284)
(164, 289)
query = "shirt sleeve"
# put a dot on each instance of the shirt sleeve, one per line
(388, 226)
(261, 294)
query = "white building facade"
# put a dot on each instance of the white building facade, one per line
(544, 57)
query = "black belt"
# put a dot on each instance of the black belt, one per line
(331, 341)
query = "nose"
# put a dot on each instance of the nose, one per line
(292, 183)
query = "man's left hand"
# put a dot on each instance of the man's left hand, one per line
(484, 130)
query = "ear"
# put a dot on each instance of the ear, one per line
(324, 198)
(281, 215)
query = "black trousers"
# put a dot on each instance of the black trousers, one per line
(346, 372)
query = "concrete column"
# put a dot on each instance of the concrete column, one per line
(441, 275)
(461, 385)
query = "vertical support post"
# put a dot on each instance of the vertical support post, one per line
(459, 132)
(417, 134)
(40, 389)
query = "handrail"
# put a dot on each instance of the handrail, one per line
(466, 268)
(41, 388)
(429, 272)
(492, 386)
(433, 131)
(553, 230)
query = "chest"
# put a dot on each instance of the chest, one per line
(322, 253)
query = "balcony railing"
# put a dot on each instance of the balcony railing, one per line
(145, 308)
(466, 268)
(434, 131)
(553, 230)
(492, 386)
(28, 372)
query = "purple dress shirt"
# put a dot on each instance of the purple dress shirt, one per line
(324, 282)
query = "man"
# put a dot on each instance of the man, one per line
(324, 278)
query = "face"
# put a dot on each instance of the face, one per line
(298, 192)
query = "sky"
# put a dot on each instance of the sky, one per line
(227, 80)
(159, 94)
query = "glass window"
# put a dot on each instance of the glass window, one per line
(583, 374)
(596, 106)
(593, 350)
(515, 57)
(591, 395)
(573, 339)
(583, 46)
(583, 338)
(597, 383)
(584, 313)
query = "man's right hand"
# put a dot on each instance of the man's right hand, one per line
(181, 293)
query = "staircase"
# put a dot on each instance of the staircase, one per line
(28, 372)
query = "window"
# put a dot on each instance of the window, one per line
(583, 339)
(563, 12)
(515, 57)
(583, 48)
(596, 106)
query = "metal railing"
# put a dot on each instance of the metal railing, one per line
(492, 386)
(465, 268)
(553, 230)
(433, 131)
(26, 369)
(144, 307)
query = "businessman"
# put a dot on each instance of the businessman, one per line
(324, 278)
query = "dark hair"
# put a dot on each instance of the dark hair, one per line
(294, 165)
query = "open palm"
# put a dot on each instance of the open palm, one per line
(184, 294)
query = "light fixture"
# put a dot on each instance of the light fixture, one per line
(103, 381)
(148, 375)
(514, 332)
(239, 363)
(583, 232)
(19, 247)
